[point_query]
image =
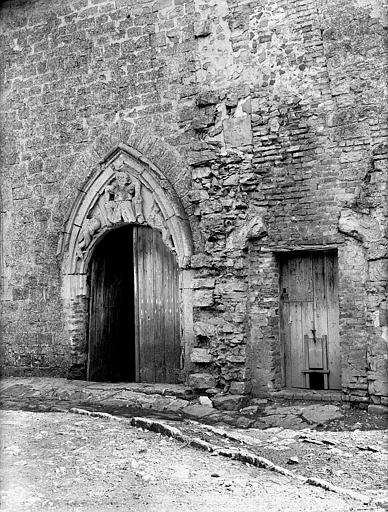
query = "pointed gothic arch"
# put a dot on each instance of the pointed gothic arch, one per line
(126, 189)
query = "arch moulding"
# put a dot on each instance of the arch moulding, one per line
(125, 189)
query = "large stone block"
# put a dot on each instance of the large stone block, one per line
(321, 414)
(202, 381)
(204, 282)
(203, 298)
(238, 131)
(200, 355)
(238, 388)
(378, 409)
(230, 402)
(205, 329)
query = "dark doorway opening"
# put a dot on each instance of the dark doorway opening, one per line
(111, 355)
(316, 381)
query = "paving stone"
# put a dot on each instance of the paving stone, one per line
(259, 424)
(244, 422)
(283, 411)
(230, 402)
(291, 421)
(197, 411)
(259, 401)
(321, 414)
(177, 404)
(273, 420)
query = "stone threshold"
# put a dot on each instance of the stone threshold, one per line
(308, 394)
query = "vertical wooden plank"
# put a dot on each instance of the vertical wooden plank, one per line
(159, 335)
(177, 326)
(296, 342)
(151, 304)
(164, 277)
(285, 318)
(317, 358)
(168, 323)
(302, 295)
(307, 330)
(295, 322)
(97, 316)
(333, 345)
(147, 340)
(142, 299)
(136, 300)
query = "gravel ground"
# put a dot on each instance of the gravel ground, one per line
(64, 462)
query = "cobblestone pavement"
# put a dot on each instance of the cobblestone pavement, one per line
(345, 447)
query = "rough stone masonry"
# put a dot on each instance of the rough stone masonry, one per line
(268, 121)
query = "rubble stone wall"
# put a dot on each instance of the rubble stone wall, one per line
(270, 120)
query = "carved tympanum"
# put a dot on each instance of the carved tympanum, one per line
(121, 201)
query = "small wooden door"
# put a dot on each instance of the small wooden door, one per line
(309, 320)
(134, 331)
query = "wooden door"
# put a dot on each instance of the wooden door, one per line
(158, 348)
(134, 330)
(309, 320)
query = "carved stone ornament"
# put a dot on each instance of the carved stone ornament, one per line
(122, 200)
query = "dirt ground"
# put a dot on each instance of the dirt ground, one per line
(64, 462)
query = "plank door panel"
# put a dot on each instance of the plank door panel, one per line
(158, 337)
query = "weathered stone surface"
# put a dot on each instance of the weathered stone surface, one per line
(200, 355)
(243, 422)
(378, 409)
(204, 329)
(204, 282)
(197, 411)
(320, 414)
(202, 28)
(207, 98)
(238, 131)
(202, 381)
(238, 388)
(205, 400)
(229, 402)
(250, 410)
(203, 298)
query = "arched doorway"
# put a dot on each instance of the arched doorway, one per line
(126, 189)
(134, 327)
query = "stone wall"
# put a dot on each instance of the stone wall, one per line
(268, 118)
